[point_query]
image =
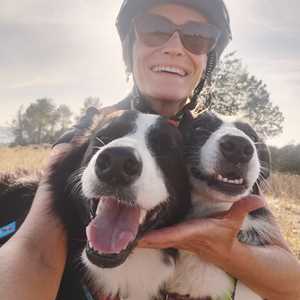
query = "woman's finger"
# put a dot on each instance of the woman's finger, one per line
(176, 235)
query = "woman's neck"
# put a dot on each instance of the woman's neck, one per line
(166, 108)
(158, 106)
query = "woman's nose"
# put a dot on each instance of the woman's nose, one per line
(174, 46)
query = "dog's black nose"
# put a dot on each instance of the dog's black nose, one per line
(236, 149)
(118, 166)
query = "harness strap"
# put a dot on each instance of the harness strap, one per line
(88, 295)
(234, 289)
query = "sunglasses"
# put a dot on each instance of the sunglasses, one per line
(198, 38)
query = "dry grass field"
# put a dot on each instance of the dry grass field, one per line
(29, 158)
(283, 190)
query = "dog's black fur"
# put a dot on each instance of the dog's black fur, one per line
(226, 161)
(73, 209)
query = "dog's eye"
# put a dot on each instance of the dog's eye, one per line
(253, 137)
(201, 130)
(102, 140)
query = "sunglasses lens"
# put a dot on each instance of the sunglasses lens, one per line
(197, 45)
(154, 31)
(154, 39)
(199, 38)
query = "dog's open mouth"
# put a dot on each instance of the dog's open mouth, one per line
(115, 229)
(231, 183)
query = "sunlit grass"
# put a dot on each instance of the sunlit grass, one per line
(30, 158)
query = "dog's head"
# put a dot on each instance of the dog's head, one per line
(132, 179)
(226, 160)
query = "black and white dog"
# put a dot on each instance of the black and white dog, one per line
(134, 179)
(126, 178)
(226, 161)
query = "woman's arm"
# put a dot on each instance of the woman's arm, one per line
(272, 271)
(32, 261)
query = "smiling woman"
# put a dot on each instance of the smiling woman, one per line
(170, 47)
(167, 74)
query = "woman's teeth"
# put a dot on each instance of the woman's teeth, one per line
(169, 69)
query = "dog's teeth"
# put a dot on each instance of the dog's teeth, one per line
(142, 216)
(232, 181)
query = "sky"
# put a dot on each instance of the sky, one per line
(68, 50)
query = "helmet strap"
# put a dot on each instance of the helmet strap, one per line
(205, 80)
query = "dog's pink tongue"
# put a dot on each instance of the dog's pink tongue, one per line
(114, 227)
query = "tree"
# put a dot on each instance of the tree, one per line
(286, 159)
(37, 119)
(65, 116)
(18, 128)
(60, 122)
(236, 92)
(90, 101)
(41, 122)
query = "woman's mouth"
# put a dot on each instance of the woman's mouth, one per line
(169, 70)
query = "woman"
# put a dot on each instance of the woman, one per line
(169, 68)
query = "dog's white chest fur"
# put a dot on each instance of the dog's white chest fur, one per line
(138, 278)
(199, 279)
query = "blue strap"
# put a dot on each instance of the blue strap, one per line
(87, 293)
(8, 229)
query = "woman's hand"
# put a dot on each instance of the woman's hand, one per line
(211, 238)
(272, 272)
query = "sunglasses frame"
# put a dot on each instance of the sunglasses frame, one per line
(180, 29)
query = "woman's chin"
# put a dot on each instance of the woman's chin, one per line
(170, 96)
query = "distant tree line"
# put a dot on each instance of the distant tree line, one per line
(286, 159)
(43, 121)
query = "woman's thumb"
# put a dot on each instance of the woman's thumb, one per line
(243, 207)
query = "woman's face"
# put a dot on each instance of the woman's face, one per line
(167, 92)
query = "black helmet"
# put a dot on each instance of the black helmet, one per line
(214, 10)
